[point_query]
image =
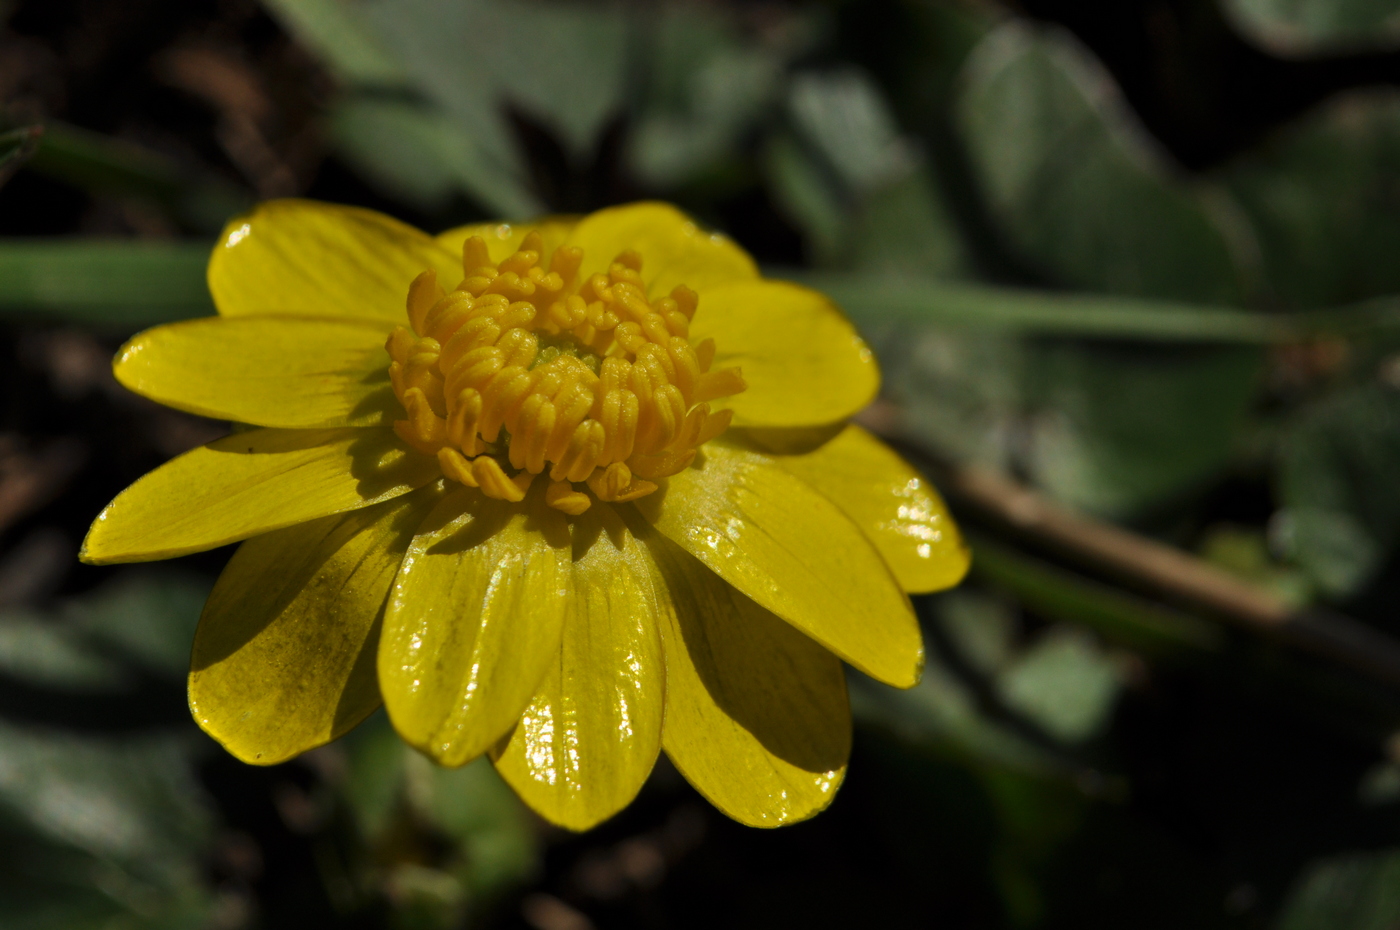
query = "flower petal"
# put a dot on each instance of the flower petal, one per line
(302, 258)
(590, 737)
(502, 239)
(896, 506)
(757, 717)
(794, 552)
(250, 483)
(674, 250)
(270, 371)
(284, 656)
(803, 361)
(473, 622)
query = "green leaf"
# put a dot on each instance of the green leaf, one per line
(148, 617)
(1108, 428)
(904, 230)
(565, 64)
(1317, 27)
(1356, 891)
(705, 87)
(1114, 430)
(842, 115)
(873, 300)
(123, 284)
(115, 167)
(415, 153)
(1065, 683)
(807, 194)
(1321, 199)
(1073, 183)
(1337, 470)
(16, 147)
(339, 34)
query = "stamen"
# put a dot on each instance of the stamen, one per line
(522, 371)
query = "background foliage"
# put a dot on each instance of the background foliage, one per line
(1141, 258)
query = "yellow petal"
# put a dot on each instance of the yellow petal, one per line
(674, 250)
(757, 717)
(503, 239)
(251, 483)
(302, 258)
(794, 552)
(590, 737)
(802, 359)
(269, 371)
(474, 621)
(284, 659)
(896, 506)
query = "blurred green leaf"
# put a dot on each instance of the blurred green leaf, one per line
(1074, 184)
(904, 230)
(16, 147)
(144, 616)
(842, 115)
(1358, 891)
(1317, 27)
(1336, 482)
(337, 32)
(1057, 594)
(495, 848)
(417, 154)
(806, 194)
(872, 300)
(1113, 430)
(1323, 202)
(115, 167)
(122, 284)
(564, 64)
(705, 85)
(1065, 683)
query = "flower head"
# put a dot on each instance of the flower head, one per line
(597, 500)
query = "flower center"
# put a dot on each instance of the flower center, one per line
(520, 371)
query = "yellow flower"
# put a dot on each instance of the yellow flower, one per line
(569, 514)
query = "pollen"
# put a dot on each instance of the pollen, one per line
(527, 369)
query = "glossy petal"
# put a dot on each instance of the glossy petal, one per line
(794, 552)
(674, 250)
(803, 361)
(896, 506)
(269, 371)
(502, 239)
(590, 737)
(302, 258)
(284, 659)
(251, 483)
(474, 622)
(757, 717)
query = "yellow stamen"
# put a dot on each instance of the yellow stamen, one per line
(522, 371)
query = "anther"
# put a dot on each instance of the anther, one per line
(561, 496)
(494, 482)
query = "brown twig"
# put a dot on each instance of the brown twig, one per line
(1170, 573)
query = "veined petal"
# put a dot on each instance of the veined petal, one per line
(268, 371)
(284, 659)
(303, 258)
(502, 239)
(896, 506)
(674, 250)
(787, 547)
(251, 483)
(757, 717)
(802, 359)
(590, 737)
(473, 622)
